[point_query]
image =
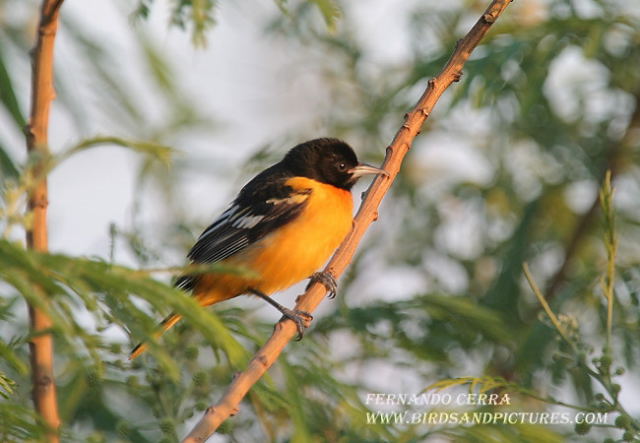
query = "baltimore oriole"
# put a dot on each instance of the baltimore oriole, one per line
(283, 225)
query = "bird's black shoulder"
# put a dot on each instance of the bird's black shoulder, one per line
(267, 185)
(262, 206)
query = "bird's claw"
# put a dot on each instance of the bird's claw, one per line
(302, 319)
(327, 279)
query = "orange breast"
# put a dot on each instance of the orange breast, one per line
(300, 248)
(294, 251)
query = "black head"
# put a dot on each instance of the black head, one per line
(327, 160)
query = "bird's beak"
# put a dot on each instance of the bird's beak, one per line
(364, 169)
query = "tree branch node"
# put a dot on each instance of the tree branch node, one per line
(44, 382)
(489, 18)
(45, 31)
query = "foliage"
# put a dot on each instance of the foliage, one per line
(199, 14)
(506, 173)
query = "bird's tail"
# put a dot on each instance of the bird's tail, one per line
(165, 325)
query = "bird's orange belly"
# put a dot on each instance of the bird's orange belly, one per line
(300, 248)
(293, 252)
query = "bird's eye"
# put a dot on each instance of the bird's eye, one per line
(342, 166)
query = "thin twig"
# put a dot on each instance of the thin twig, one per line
(42, 94)
(368, 212)
(608, 283)
(545, 305)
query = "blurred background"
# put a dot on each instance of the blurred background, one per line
(507, 170)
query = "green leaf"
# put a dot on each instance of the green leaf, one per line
(282, 5)
(330, 11)
(467, 312)
(10, 357)
(7, 167)
(483, 384)
(502, 296)
(19, 423)
(6, 386)
(8, 96)
(157, 151)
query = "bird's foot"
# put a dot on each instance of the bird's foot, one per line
(302, 319)
(327, 279)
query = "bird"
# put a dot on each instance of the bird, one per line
(283, 226)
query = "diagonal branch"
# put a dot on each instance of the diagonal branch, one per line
(42, 94)
(368, 213)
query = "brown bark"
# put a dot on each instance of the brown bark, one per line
(368, 212)
(42, 94)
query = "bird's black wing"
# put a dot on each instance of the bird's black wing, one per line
(262, 206)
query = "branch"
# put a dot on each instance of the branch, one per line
(368, 213)
(42, 94)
